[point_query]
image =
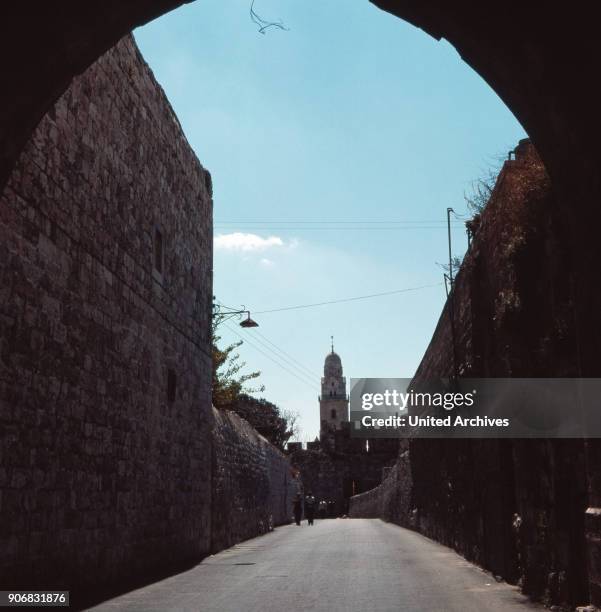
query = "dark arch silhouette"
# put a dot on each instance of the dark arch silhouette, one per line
(541, 60)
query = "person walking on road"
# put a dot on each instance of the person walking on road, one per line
(323, 509)
(310, 504)
(297, 508)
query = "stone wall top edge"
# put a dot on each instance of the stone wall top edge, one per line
(130, 42)
(244, 427)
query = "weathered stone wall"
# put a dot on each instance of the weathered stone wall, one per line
(105, 367)
(516, 507)
(389, 500)
(253, 483)
(339, 466)
(322, 476)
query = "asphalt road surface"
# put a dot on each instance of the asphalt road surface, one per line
(338, 564)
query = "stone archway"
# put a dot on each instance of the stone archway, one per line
(540, 63)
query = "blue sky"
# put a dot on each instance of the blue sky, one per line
(335, 148)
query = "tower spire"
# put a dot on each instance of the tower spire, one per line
(333, 401)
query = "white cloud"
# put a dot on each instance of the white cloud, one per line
(239, 241)
(267, 262)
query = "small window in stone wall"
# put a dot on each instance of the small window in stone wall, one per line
(171, 385)
(333, 413)
(158, 251)
(209, 183)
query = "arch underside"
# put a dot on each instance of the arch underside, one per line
(543, 61)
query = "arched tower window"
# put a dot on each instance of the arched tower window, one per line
(333, 413)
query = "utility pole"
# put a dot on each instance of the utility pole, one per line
(451, 297)
(449, 211)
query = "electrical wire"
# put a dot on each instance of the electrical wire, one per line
(336, 221)
(338, 225)
(286, 358)
(345, 229)
(287, 362)
(254, 333)
(296, 375)
(285, 354)
(351, 299)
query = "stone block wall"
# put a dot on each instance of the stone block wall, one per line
(105, 365)
(390, 499)
(339, 466)
(324, 477)
(253, 483)
(516, 507)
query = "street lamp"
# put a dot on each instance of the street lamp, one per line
(223, 313)
(248, 322)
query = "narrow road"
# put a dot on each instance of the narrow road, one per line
(341, 565)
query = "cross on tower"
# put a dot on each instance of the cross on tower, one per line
(332, 338)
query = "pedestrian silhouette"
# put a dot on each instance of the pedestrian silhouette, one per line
(323, 509)
(310, 503)
(297, 508)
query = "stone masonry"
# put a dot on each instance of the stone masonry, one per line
(105, 367)
(253, 483)
(517, 507)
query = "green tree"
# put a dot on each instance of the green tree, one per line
(230, 392)
(228, 383)
(275, 424)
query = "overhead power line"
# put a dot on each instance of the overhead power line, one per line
(290, 357)
(245, 338)
(326, 221)
(288, 360)
(336, 225)
(295, 374)
(351, 299)
(334, 228)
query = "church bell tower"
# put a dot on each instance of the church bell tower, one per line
(333, 402)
